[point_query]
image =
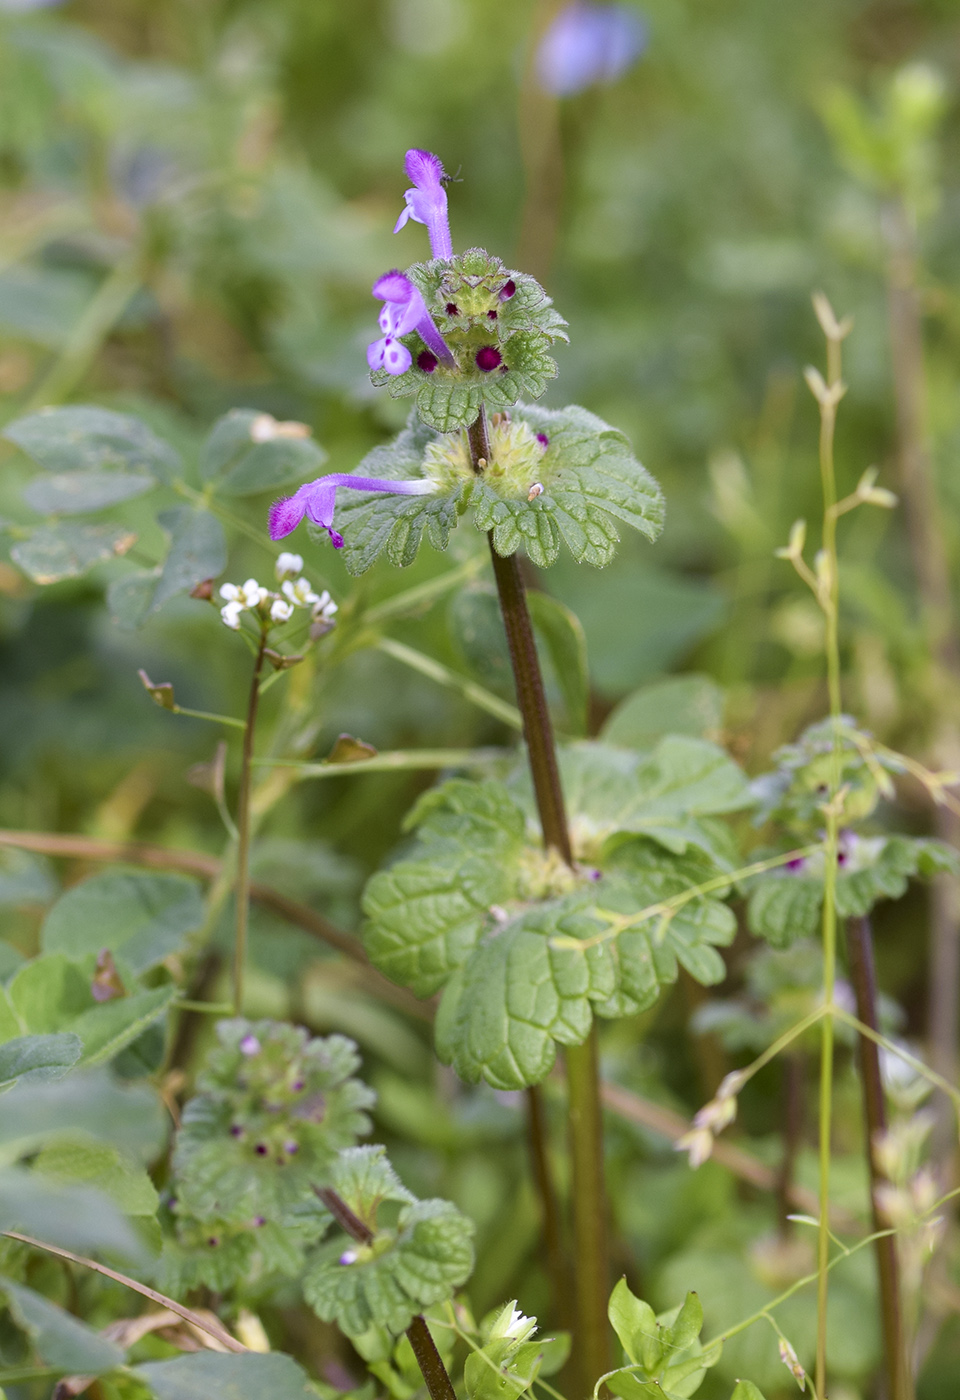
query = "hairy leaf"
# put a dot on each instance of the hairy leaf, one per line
(144, 917)
(35, 1058)
(85, 439)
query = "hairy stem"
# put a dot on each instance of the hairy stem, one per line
(864, 979)
(431, 1365)
(592, 1274)
(243, 830)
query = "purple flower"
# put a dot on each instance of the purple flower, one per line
(249, 1045)
(588, 44)
(317, 499)
(404, 310)
(427, 201)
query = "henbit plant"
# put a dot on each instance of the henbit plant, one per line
(537, 899)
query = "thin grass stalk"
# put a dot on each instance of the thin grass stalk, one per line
(863, 976)
(585, 1117)
(829, 600)
(558, 1264)
(242, 884)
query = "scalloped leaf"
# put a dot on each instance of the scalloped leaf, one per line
(420, 1261)
(144, 917)
(273, 1110)
(588, 477)
(785, 904)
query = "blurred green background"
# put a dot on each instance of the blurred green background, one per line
(195, 197)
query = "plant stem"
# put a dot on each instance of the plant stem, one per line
(829, 600)
(592, 1273)
(863, 975)
(424, 1348)
(928, 550)
(793, 1087)
(243, 830)
(557, 1263)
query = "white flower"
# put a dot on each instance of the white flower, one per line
(697, 1143)
(239, 597)
(288, 564)
(511, 1324)
(249, 595)
(324, 609)
(280, 610)
(301, 593)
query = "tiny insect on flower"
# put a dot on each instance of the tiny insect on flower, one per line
(426, 203)
(317, 500)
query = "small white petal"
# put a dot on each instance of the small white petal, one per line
(230, 591)
(280, 610)
(288, 564)
(231, 615)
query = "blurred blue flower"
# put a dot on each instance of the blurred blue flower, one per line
(588, 44)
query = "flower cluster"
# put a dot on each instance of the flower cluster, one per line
(295, 592)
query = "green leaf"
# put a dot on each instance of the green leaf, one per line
(560, 630)
(92, 439)
(746, 1390)
(678, 705)
(48, 992)
(107, 1029)
(73, 1217)
(627, 1385)
(36, 1058)
(518, 998)
(97, 1164)
(25, 878)
(78, 492)
(419, 1262)
(253, 1376)
(240, 465)
(84, 1105)
(425, 915)
(688, 1325)
(274, 1109)
(590, 479)
(42, 303)
(633, 1320)
(143, 917)
(55, 552)
(198, 551)
(61, 1340)
(129, 598)
(488, 1376)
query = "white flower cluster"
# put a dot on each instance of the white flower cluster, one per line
(294, 593)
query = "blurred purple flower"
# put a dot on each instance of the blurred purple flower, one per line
(404, 310)
(317, 500)
(427, 201)
(588, 44)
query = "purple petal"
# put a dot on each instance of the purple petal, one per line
(589, 44)
(286, 514)
(321, 500)
(424, 168)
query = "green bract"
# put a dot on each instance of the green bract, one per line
(466, 299)
(529, 950)
(664, 1355)
(418, 1258)
(587, 475)
(273, 1110)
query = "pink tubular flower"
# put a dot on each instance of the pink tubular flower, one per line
(404, 310)
(317, 500)
(427, 201)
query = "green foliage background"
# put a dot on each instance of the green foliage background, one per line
(194, 201)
